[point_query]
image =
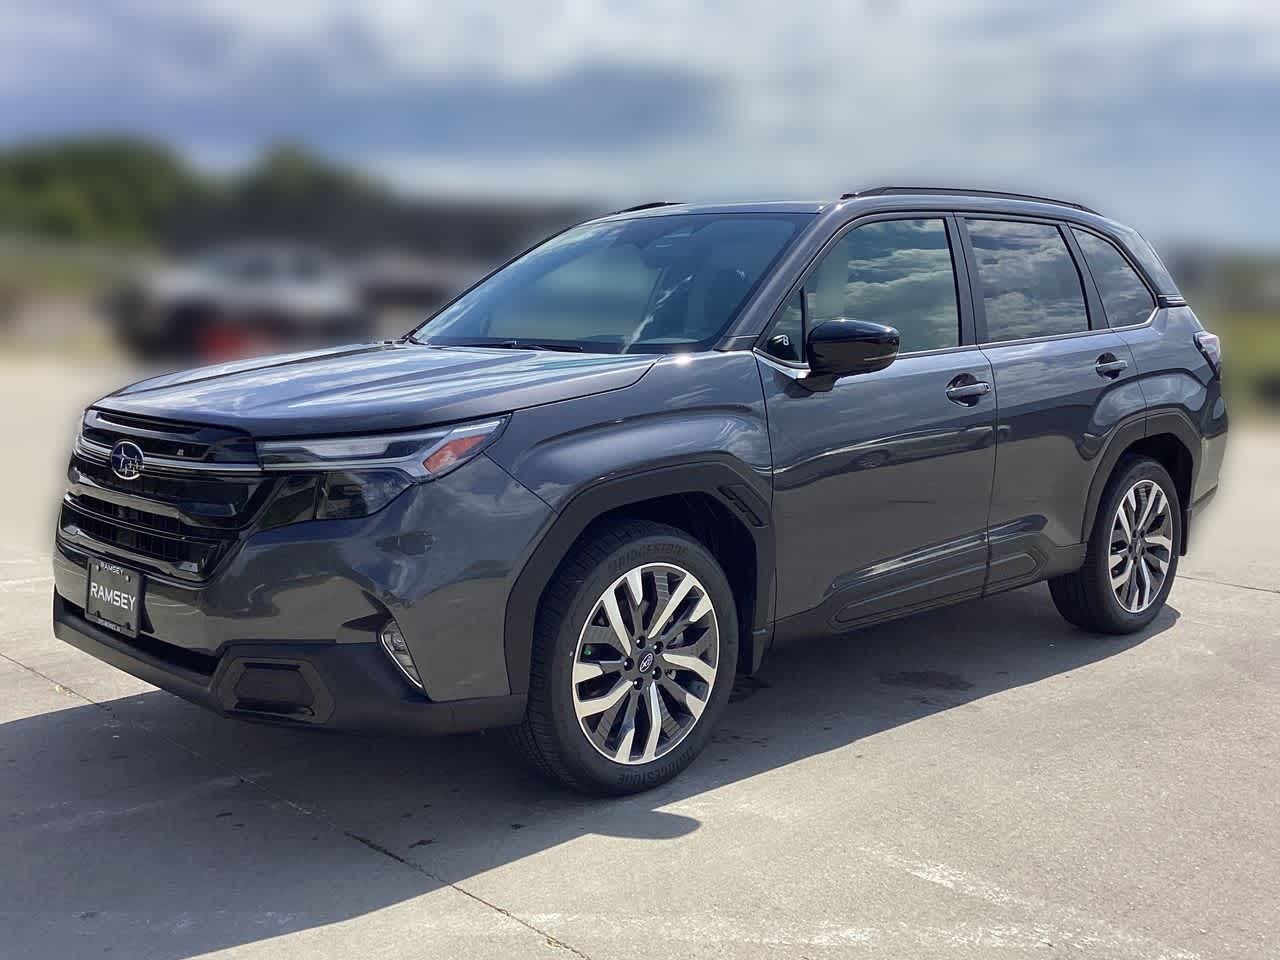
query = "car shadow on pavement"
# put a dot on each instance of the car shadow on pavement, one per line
(149, 827)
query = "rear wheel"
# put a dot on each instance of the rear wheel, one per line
(634, 654)
(1132, 555)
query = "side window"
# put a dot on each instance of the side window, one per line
(1125, 297)
(895, 272)
(785, 338)
(1030, 285)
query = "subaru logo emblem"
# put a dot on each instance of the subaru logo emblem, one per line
(126, 460)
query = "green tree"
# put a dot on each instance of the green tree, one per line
(101, 190)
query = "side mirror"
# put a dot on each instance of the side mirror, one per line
(842, 347)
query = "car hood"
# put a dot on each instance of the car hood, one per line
(371, 388)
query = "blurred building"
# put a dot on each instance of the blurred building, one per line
(407, 253)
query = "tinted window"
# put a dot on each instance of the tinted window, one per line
(1147, 258)
(785, 337)
(1124, 295)
(896, 272)
(641, 285)
(1030, 285)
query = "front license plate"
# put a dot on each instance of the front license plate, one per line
(115, 597)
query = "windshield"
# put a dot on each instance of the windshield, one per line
(644, 285)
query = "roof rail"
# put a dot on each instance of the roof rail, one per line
(648, 206)
(963, 192)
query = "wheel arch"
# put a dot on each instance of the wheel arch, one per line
(717, 502)
(1166, 437)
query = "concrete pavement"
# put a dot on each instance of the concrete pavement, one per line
(973, 782)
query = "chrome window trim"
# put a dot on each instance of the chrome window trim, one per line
(797, 371)
(1151, 318)
(937, 351)
(1071, 336)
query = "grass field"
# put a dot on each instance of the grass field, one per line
(1251, 357)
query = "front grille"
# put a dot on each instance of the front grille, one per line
(176, 553)
(164, 438)
(114, 511)
(218, 501)
(177, 523)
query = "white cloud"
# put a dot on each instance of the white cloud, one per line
(1122, 103)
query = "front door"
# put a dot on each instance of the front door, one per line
(881, 484)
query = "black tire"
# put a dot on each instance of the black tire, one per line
(551, 737)
(1086, 598)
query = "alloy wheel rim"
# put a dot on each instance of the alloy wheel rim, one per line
(645, 663)
(1141, 546)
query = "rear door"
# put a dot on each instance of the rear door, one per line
(882, 483)
(1064, 383)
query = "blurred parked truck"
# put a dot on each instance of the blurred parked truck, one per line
(238, 301)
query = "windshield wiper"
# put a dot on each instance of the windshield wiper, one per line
(517, 345)
(557, 347)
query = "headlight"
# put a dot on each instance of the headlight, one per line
(361, 475)
(351, 493)
(423, 456)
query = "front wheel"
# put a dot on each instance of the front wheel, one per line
(634, 654)
(1132, 554)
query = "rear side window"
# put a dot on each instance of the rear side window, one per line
(1125, 297)
(1030, 285)
(895, 272)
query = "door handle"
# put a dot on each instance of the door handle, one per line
(968, 393)
(1108, 366)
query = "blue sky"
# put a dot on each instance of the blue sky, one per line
(1167, 115)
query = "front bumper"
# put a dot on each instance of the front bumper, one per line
(311, 597)
(350, 687)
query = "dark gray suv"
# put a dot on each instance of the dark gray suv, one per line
(610, 476)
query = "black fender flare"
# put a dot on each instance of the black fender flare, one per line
(740, 490)
(1151, 424)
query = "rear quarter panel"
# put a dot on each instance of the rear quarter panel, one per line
(1182, 392)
